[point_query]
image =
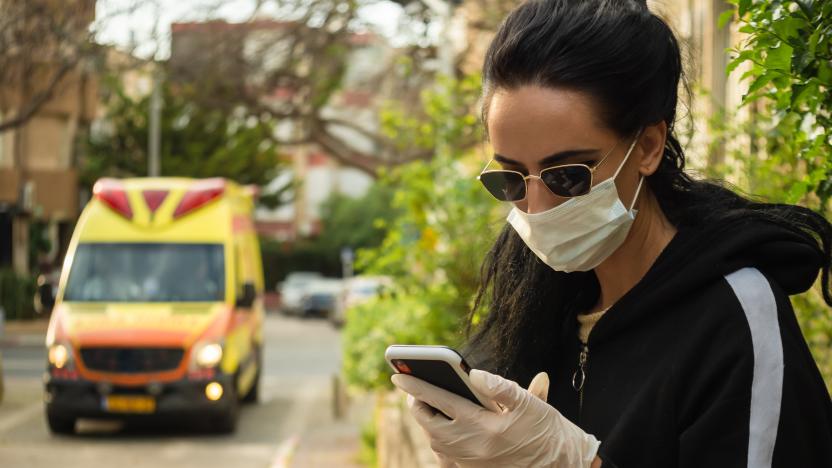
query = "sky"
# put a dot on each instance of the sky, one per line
(120, 22)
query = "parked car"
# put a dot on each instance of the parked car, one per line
(320, 297)
(293, 288)
(159, 309)
(356, 291)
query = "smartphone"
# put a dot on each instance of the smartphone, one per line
(441, 366)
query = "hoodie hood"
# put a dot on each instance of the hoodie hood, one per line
(699, 256)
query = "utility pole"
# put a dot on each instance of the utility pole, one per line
(154, 135)
(444, 10)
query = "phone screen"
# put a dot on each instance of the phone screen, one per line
(438, 373)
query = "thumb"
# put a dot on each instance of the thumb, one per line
(503, 391)
(540, 386)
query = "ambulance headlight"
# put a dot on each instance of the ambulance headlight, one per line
(208, 354)
(60, 356)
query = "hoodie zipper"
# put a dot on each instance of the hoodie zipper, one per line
(579, 377)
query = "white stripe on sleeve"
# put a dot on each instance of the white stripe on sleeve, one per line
(757, 299)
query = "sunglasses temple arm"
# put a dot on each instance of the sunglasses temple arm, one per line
(486, 166)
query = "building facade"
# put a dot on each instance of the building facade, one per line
(38, 158)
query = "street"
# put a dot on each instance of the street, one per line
(292, 426)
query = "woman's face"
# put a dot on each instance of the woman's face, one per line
(534, 128)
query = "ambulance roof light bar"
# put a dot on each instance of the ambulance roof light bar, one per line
(113, 194)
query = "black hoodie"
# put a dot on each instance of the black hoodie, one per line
(702, 363)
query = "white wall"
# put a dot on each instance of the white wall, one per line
(319, 184)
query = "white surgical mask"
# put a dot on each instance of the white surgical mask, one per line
(582, 232)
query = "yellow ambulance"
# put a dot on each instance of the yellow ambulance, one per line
(159, 309)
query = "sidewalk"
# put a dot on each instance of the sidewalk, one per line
(333, 443)
(24, 333)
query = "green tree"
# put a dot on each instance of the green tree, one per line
(196, 141)
(355, 223)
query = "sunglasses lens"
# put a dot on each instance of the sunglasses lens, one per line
(568, 181)
(504, 185)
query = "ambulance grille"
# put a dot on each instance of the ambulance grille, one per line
(131, 360)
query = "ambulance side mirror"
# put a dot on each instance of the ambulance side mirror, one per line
(247, 296)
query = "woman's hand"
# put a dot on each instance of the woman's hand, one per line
(527, 432)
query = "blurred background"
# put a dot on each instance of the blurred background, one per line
(354, 126)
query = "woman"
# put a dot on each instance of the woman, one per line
(657, 304)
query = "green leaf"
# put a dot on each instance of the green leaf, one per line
(813, 41)
(747, 29)
(754, 71)
(825, 73)
(817, 175)
(800, 93)
(759, 82)
(796, 192)
(725, 18)
(732, 65)
(826, 10)
(780, 57)
(782, 83)
(742, 57)
(742, 7)
(788, 27)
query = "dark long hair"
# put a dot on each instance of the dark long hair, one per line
(628, 61)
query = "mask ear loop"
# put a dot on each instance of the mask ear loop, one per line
(627, 156)
(621, 166)
(638, 189)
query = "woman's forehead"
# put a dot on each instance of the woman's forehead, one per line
(533, 122)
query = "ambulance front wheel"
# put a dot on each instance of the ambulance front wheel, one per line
(254, 392)
(226, 421)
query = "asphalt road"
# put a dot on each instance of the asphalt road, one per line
(292, 426)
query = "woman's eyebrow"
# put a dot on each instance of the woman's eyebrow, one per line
(551, 159)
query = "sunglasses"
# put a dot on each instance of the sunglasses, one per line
(567, 181)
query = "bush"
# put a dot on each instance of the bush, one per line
(17, 295)
(367, 455)
(433, 251)
(444, 225)
(396, 318)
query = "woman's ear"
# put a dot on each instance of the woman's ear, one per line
(651, 143)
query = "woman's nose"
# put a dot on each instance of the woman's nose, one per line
(538, 197)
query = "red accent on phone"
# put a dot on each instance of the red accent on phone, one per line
(402, 367)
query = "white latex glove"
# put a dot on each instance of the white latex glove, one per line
(538, 387)
(528, 432)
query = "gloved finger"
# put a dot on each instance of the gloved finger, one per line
(505, 392)
(454, 406)
(539, 386)
(434, 425)
(425, 416)
(445, 461)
